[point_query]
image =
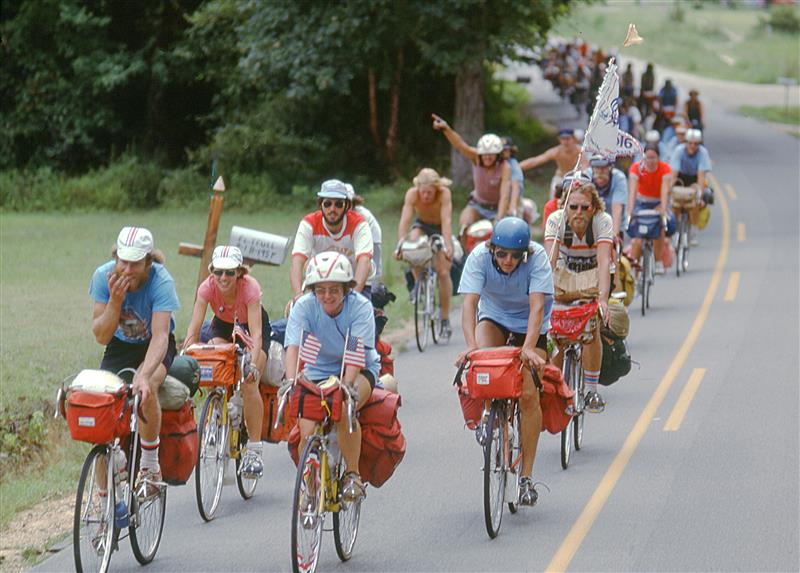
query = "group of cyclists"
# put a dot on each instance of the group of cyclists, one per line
(510, 283)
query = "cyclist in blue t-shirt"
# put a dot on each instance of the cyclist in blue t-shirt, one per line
(612, 186)
(134, 298)
(508, 293)
(691, 164)
(334, 314)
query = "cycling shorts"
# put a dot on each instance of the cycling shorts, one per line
(516, 338)
(221, 329)
(120, 354)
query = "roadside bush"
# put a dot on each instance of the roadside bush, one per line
(507, 114)
(783, 19)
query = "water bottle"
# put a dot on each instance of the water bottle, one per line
(333, 452)
(121, 520)
(235, 407)
(120, 466)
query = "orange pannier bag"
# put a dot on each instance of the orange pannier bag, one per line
(97, 417)
(494, 373)
(269, 395)
(218, 363)
(177, 454)
(557, 401)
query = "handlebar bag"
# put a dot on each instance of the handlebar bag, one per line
(269, 395)
(494, 373)
(570, 322)
(383, 444)
(556, 400)
(645, 226)
(97, 417)
(177, 453)
(312, 402)
(217, 362)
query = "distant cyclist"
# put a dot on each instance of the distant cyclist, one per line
(134, 300)
(668, 95)
(565, 155)
(649, 183)
(693, 110)
(491, 176)
(332, 313)
(508, 293)
(235, 297)
(431, 201)
(583, 242)
(691, 163)
(612, 186)
(517, 177)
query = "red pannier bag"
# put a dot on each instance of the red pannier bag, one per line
(177, 453)
(311, 402)
(383, 445)
(494, 373)
(571, 321)
(218, 363)
(471, 408)
(384, 350)
(97, 417)
(269, 395)
(555, 399)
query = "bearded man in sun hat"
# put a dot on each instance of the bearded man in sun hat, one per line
(134, 299)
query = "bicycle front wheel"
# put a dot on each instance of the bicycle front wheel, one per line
(247, 486)
(644, 277)
(307, 509)
(514, 456)
(435, 307)
(420, 311)
(210, 457)
(580, 393)
(568, 433)
(345, 523)
(93, 524)
(494, 469)
(147, 523)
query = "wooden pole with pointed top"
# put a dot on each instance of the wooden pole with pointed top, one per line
(210, 240)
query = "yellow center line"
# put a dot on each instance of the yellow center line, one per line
(733, 286)
(583, 524)
(741, 232)
(731, 191)
(684, 400)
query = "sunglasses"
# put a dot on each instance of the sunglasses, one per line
(582, 207)
(338, 203)
(322, 291)
(227, 273)
(516, 255)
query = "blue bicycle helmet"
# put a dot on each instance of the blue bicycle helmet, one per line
(511, 233)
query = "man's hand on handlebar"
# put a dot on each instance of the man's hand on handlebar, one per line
(462, 357)
(531, 359)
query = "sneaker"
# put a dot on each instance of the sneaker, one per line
(594, 402)
(660, 270)
(528, 496)
(149, 483)
(353, 489)
(446, 331)
(252, 467)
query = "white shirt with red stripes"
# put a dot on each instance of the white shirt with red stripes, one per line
(354, 240)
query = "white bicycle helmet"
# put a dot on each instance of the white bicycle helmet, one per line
(489, 144)
(652, 136)
(328, 267)
(694, 135)
(351, 192)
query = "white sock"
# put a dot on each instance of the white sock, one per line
(254, 447)
(150, 454)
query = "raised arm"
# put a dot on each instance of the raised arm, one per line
(455, 139)
(537, 160)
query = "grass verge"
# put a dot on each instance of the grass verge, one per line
(777, 114)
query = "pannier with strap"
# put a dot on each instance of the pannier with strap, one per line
(494, 373)
(471, 408)
(555, 399)
(616, 360)
(97, 417)
(645, 224)
(684, 197)
(570, 322)
(315, 401)
(269, 395)
(383, 445)
(416, 253)
(177, 453)
(172, 394)
(218, 363)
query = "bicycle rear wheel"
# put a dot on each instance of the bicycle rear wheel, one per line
(211, 457)
(580, 393)
(147, 522)
(247, 486)
(568, 433)
(307, 509)
(683, 244)
(514, 455)
(644, 276)
(93, 527)
(494, 469)
(435, 307)
(345, 523)
(420, 311)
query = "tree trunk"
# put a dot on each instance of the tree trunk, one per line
(373, 111)
(468, 120)
(394, 113)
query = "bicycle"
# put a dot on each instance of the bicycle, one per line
(318, 491)
(222, 435)
(683, 199)
(643, 221)
(572, 326)
(426, 297)
(106, 501)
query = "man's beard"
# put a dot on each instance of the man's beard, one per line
(335, 222)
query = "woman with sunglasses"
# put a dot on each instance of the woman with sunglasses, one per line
(581, 235)
(508, 293)
(235, 297)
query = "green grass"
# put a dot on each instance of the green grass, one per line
(694, 45)
(777, 114)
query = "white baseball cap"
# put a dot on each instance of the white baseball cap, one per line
(226, 257)
(134, 243)
(333, 189)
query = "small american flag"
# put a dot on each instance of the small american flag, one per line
(354, 354)
(240, 333)
(309, 349)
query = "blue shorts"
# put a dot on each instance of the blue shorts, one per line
(120, 354)
(484, 210)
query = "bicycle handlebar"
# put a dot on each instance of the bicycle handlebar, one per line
(351, 395)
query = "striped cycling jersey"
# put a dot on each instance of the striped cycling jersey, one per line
(354, 240)
(579, 253)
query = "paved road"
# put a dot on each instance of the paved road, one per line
(720, 493)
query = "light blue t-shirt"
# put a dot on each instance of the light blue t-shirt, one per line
(516, 174)
(356, 315)
(156, 295)
(504, 298)
(619, 189)
(681, 162)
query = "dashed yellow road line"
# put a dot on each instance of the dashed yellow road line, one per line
(741, 232)
(569, 547)
(731, 191)
(684, 400)
(733, 286)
